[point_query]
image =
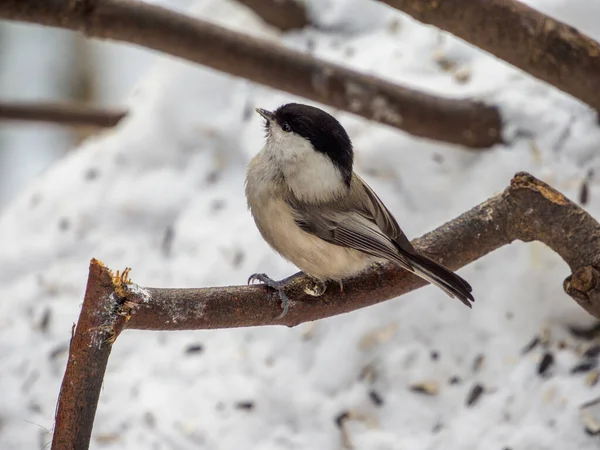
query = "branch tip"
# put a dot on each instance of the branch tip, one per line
(524, 180)
(97, 262)
(583, 279)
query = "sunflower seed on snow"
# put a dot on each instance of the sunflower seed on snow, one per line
(545, 363)
(426, 387)
(378, 336)
(475, 394)
(591, 379)
(590, 416)
(478, 362)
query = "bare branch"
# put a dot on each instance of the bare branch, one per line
(283, 14)
(547, 49)
(63, 114)
(527, 210)
(463, 122)
(90, 348)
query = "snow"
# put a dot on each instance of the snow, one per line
(163, 193)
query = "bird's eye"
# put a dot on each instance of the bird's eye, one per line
(286, 127)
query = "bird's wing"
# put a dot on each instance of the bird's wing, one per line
(373, 208)
(356, 226)
(368, 226)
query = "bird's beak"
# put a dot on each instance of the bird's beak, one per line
(266, 114)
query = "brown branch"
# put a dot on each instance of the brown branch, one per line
(89, 350)
(63, 114)
(527, 210)
(463, 122)
(547, 49)
(283, 14)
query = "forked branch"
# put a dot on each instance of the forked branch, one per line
(527, 210)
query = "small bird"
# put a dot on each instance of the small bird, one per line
(311, 207)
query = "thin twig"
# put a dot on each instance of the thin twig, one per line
(63, 114)
(527, 210)
(463, 122)
(541, 46)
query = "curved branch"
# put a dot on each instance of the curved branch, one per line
(547, 49)
(463, 122)
(527, 210)
(63, 114)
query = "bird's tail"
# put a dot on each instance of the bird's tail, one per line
(448, 281)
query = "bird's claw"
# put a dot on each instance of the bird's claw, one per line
(316, 288)
(260, 277)
(279, 286)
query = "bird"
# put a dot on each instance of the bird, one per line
(311, 207)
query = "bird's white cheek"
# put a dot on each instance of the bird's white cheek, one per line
(286, 147)
(317, 180)
(309, 174)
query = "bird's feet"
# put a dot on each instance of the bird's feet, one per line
(279, 286)
(314, 288)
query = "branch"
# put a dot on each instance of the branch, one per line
(63, 114)
(283, 14)
(89, 350)
(462, 122)
(541, 46)
(527, 210)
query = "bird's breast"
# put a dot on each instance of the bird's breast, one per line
(311, 254)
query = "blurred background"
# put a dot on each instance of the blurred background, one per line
(47, 64)
(43, 64)
(162, 192)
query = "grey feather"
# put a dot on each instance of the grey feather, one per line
(361, 221)
(382, 216)
(348, 229)
(365, 224)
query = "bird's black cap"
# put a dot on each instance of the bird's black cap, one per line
(323, 131)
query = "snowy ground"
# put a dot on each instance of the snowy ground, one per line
(178, 164)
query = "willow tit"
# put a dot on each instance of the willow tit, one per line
(310, 206)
